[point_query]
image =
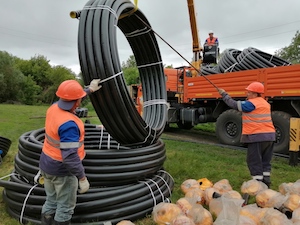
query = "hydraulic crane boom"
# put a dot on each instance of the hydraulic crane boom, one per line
(197, 59)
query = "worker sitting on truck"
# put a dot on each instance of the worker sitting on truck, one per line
(257, 130)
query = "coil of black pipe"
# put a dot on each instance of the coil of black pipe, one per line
(228, 62)
(107, 205)
(113, 196)
(4, 146)
(98, 56)
(250, 58)
(106, 163)
(208, 69)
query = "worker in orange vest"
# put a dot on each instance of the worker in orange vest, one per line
(211, 40)
(63, 152)
(257, 130)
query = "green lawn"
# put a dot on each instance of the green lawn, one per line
(184, 160)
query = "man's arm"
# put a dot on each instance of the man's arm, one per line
(69, 136)
(243, 106)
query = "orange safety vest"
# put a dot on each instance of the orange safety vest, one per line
(259, 120)
(211, 41)
(52, 145)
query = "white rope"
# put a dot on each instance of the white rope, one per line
(169, 189)
(162, 195)
(249, 53)
(1, 178)
(24, 204)
(271, 58)
(102, 7)
(111, 77)
(231, 67)
(166, 173)
(155, 102)
(101, 136)
(135, 33)
(151, 64)
(108, 141)
(150, 192)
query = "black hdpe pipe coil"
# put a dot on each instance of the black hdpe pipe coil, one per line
(4, 146)
(98, 56)
(250, 58)
(106, 163)
(113, 196)
(129, 202)
(228, 63)
(209, 69)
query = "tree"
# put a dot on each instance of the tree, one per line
(10, 78)
(131, 75)
(38, 67)
(291, 53)
(130, 62)
(169, 66)
(30, 91)
(130, 71)
(56, 74)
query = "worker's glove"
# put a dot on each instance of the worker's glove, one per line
(221, 91)
(95, 85)
(84, 186)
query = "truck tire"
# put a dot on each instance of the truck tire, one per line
(229, 127)
(281, 121)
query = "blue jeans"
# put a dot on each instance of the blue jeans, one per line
(61, 196)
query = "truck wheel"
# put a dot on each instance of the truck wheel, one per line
(186, 126)
(281, 121)
(229, 127)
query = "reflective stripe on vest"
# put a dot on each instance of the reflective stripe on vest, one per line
(211, 42)
(52, 146)
(259, 120)
(62, 145)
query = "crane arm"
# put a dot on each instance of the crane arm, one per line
(197, 59)
(193, 23)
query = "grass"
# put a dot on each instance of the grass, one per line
(185, 160)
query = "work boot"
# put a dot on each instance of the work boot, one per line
(47, 219)
(62, 223)
(267, 181)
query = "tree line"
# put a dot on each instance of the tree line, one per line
(35, 81)
(30, 82)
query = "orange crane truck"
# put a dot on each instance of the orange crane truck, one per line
(194, 100)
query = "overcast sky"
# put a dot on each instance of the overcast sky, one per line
(44, 27)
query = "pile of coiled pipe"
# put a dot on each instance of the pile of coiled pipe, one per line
(99, 58)
(250, 58)
(125, 183)
(4, 146)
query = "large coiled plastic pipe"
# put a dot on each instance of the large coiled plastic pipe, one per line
(99, 58)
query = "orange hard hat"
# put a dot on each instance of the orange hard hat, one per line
(256, 87)
(70, 90)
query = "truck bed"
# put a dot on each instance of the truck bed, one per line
(283, 81)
